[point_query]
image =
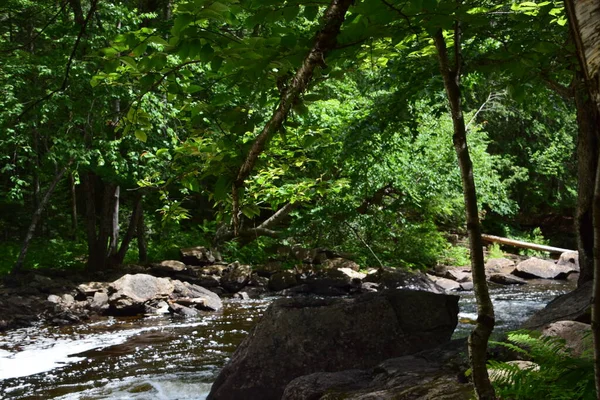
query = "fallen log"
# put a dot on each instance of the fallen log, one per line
(520, 243)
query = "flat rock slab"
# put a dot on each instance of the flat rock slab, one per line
(537, 268)
(448, 285)
(300, 336)
(421, 376)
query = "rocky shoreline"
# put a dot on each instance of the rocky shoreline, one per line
(197, 281)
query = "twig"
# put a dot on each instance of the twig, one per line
(365, 243)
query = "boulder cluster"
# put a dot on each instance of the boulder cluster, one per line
(503, 271)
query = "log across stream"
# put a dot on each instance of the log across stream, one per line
(174, 358)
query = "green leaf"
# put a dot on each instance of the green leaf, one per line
(222, 188)
(129, 62)
(139, 49)
(141, 135)
(206, 53)
(216, 63)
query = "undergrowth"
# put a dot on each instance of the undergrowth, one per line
(561, 375)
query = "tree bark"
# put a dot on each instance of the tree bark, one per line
(584, 22)
(36, 218)
(478, 339)
(325, 41)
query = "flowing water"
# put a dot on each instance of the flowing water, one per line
(171, 358)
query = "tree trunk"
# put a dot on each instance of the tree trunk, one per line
(478, 339)
(95, 257)
(36, 218)
(325, 41)
(584, 22)
(588, 122)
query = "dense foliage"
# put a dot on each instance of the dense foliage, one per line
(157, 104)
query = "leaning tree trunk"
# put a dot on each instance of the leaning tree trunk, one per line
(478, 339)
(584, 22)
(36, 218)
(325, 41)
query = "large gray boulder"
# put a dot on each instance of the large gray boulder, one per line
(129, 293)
(577, 336)
(299, 336)
(537, 268)
(132, 294)
(573, 306)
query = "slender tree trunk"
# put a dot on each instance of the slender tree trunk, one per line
(74, 225)
(478, 340)
(141, 238)
(95, 257)
(36, 218)
(114, 222)
(325, 41)
(36, 169)
(131, 229)
(584, 22)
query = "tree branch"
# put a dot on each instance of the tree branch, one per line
(325, 41)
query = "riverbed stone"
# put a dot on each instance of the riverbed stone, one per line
(99, 302)
(299, 336)
(236, 277)
(507, 279)
(138, 288)
(397, 278)
(457, 275)
(570, 259)
(187, 294)
(199, 255)
(339, 262)
(538, 268)
(168, 268)
(88, 289)
(499, 265)
(573, 306)
(282, 280)
(447, 284)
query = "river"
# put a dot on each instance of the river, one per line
(173, 358)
